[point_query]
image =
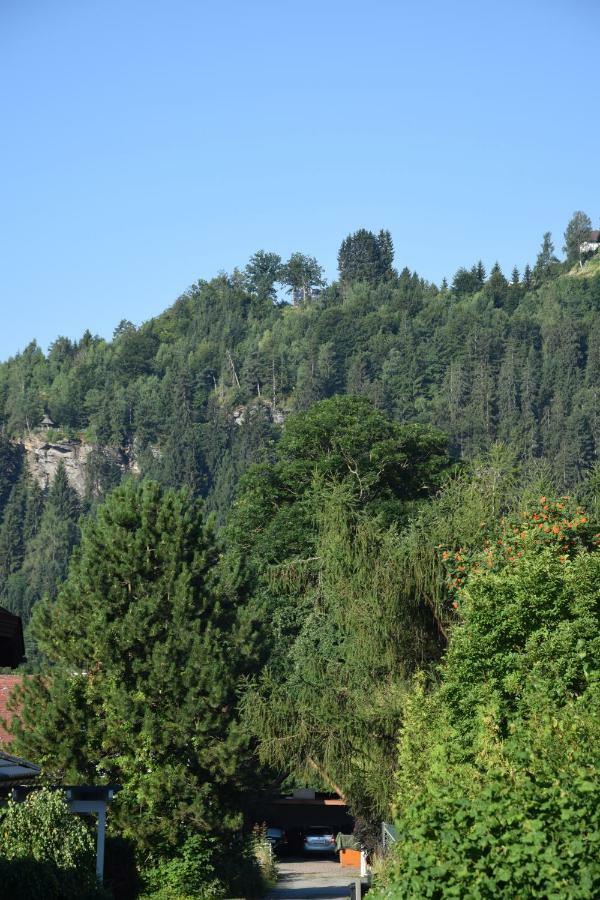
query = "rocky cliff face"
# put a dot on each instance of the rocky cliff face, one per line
(43, 457)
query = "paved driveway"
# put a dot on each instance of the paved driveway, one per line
(313, 879)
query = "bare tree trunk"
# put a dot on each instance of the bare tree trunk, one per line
(232, 364)
(314, 765)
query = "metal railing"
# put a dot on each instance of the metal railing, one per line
(389, 836)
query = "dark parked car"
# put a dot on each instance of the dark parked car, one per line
(319, 839)
(277, 838)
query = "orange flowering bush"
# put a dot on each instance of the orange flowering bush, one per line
(556, 523)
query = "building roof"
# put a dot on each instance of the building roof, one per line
(7, 685)
(592, 237)
(13, 768)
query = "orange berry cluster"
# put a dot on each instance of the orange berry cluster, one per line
(557, 524)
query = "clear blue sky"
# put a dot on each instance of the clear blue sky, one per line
(145, 144)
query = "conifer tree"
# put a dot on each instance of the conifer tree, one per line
(142, 689)
(364, 256)
(497, 285)
(10, 467)
(546, 264)
(61, 496)
(386, 252)
(465, 282)
(48, 550)
(12, 546)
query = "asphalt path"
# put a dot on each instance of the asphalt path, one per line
(313, 879)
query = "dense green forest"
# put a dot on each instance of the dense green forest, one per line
(355, 544)
(193, 397)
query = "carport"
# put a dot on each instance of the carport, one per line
(302, 809)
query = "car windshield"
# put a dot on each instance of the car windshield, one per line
(319, 829)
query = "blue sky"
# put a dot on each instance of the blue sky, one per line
(145, 144)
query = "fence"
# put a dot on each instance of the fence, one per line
(389, 836)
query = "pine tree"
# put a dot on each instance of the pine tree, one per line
(527, 277)
(144, 663)
(497, 286)
(12, 545)
(546, 264)
(386, 253)
(465, 282)
(364, 256)
(11, 457)
(61, 496)
(515, 277)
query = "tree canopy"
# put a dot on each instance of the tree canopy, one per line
(145, 656)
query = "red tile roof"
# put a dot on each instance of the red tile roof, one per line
(7, 685)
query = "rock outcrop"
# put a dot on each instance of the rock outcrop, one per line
(43, 457)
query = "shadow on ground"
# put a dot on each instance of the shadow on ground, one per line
(309, 893)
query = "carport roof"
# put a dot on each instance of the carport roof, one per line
(13, 768)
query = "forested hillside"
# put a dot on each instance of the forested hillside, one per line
(192, 397)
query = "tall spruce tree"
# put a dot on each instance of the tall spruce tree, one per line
(364, 256)
(145, 659)
(546, 264)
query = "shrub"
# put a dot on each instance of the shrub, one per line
(206, 866)
(47, 852)
(499, 788)
(191, 872)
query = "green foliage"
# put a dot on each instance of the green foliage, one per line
(302, 274)
(37, 536)
(145, 660)
(498, 759)
(546, 263)
(386, 467)
(575, 234)
(47, 852)
(191, 873)
(205, 866)
(486, 362)
(364, 256)
(467, 281)
(262, 272)
(314, 536)
(332, 703)
(530, 827)
(10, 468)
